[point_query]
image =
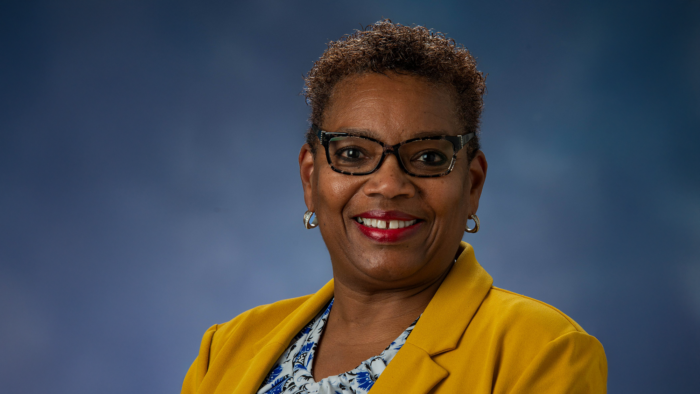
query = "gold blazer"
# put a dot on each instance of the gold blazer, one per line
(472, 338)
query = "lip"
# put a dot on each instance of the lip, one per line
(386, 235)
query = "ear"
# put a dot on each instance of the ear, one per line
(477, 177)
(306, 170)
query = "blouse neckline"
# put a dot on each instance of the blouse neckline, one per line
(293, 371)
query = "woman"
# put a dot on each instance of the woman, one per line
(392, 171)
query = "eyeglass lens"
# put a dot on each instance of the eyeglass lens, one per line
(359, 155)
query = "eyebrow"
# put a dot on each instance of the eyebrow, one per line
(369, 133)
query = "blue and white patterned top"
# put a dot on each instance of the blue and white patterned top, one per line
(292, 372)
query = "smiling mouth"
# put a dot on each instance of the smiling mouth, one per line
(385, 224)
(387, 228)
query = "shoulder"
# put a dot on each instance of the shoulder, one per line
(527, 330)
(253, 324)
(520, 327)
(241, 333)
(520, 312)
(534, 346)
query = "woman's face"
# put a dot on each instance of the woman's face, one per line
(433, 211)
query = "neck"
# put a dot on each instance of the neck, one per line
(359, 307)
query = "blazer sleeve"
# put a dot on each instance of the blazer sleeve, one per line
(199, 367)
(573, 363)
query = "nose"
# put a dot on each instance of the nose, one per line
(389, 181)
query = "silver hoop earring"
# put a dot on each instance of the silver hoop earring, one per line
(308, 223)
(476, 224)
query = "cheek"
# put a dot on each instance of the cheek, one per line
(335, 191)
(448, 198)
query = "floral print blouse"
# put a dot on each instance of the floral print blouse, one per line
(292, 372)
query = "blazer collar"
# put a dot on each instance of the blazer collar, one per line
(462, 291)
(438, 330)
(300, 317)
(270, 347)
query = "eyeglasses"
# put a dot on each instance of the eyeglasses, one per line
(426, 157)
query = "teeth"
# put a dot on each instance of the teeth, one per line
(391, 224)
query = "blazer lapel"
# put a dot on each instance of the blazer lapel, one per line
(453, 306)
(258, 367)
(438, 330)
(412, 371)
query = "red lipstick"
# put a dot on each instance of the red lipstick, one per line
(387, 226)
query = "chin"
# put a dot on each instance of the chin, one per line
(390, 269)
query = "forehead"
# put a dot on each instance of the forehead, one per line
(392, 107)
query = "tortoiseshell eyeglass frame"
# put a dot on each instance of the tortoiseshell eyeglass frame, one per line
(458, 142)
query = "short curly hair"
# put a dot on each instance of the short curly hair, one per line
(391, 47)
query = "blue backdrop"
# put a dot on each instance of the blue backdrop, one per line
(149, 185)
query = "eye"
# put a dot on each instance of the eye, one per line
(350, 153)
(431, 158)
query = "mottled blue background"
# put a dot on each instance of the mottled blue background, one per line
(149, 184)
